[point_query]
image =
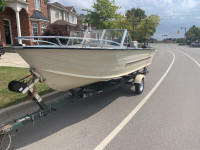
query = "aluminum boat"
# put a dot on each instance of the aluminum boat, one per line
(84, 58)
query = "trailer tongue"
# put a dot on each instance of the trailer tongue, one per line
(135, 78)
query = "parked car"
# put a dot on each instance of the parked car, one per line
(195, 44)
(2, 51)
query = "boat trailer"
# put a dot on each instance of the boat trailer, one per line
(135, 78)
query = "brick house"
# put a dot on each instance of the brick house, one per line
(22, 18)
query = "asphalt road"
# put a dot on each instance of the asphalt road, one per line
(168, 119)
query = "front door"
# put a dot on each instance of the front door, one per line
(7, 31)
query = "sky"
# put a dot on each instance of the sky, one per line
(174, 13)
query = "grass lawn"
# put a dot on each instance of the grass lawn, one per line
(8, 98)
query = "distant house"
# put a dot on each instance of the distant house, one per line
(80, 21)
(64, 17)
(23, 18)
(57, 11)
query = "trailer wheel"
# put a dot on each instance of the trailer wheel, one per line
(139, 87)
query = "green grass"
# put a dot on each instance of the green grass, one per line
(8, 98)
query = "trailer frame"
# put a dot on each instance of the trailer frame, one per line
(76, 95)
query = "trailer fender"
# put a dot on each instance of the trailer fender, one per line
(138, 78)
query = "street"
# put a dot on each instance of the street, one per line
(166, 116)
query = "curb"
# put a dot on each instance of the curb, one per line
(9, 111)
(9, 50)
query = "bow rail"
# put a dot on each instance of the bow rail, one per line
(117, 38)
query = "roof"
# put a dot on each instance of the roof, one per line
(38, 15)
(59, 5)
(69, 8)
(61, 22)
(81, 16)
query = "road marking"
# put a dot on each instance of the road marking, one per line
(111, 136)
(191, 58)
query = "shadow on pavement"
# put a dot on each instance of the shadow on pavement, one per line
(67, 115)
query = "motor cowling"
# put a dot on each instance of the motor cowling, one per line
(17, 86)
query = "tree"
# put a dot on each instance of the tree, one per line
(143, 27)
(3, 5)
(138, 14)
(146, 28)
(104, 14)
(135, 16)
(193, 33)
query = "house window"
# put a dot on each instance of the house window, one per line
(35, 30)
(72, 18)
(57, 14)
(66, 17)
(43, 28)
(37, 4)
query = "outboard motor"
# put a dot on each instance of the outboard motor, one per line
(17, 86)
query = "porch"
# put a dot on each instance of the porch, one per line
(14, 22)
(21, 18)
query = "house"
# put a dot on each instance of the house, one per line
(63, 20)
(23, 18)
(80, 22)
(57, 11)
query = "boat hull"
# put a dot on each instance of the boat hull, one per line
(66, 69)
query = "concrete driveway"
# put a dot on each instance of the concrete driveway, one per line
(12, 60)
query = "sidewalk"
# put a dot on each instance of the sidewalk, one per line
(12, 60)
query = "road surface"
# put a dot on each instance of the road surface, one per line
(166, 116)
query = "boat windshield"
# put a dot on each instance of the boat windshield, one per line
(99, 38)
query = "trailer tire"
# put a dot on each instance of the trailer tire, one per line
(139, 87)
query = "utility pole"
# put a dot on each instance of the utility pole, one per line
(184, 34)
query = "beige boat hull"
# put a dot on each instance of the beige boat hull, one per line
(66, 69)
